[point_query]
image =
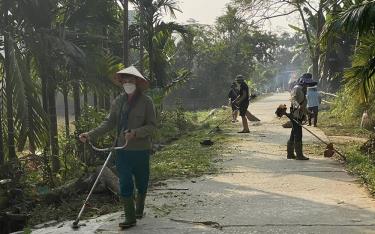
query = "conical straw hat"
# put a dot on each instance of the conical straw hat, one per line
(132, 71)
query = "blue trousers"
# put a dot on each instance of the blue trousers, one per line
(131, 164)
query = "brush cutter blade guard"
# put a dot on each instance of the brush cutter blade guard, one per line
(75, 225)
(207, 142)
(329, 151)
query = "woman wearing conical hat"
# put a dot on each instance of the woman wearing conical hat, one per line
(132, 115)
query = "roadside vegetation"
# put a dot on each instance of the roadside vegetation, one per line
(179, 154)
(69, 49)
(357, 143)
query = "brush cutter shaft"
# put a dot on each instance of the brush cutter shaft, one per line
(99, 175)
(222, 122)
(309, 131)
(93, 187)
(314, 135)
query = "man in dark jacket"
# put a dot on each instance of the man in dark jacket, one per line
(243, 102)
(297, 114)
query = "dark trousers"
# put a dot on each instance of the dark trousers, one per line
(296, 133)
(313, 114)
(131, 164)
(243, 108)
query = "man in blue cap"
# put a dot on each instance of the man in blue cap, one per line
(298, 113)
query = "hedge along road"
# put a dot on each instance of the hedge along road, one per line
(257, 191)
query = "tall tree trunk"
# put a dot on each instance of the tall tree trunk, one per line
(8, 87)
(126, 32)
(141, 40)
(107, 102)
(95, 101)
(77, 101)
(66, 111)
(320, 23)
(309, 42)
(151, 62)
(32, 146)
(2, 155)
(77, 116)
(44, 94)
(85, 95)
(55, 161)
(101, 102)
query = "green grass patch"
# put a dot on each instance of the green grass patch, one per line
(333, 126)
(186, 157)
(362, 166)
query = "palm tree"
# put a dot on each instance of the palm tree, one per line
(49, 48)
(2, 155)
(7, 30)
(359, 18)
(154, 28)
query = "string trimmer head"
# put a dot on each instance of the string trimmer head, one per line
(281, 110)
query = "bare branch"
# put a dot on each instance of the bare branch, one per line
(311, 6)
(275, 16)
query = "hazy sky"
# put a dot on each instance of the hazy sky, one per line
(206, 12)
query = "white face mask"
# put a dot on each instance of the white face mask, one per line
(129, 88)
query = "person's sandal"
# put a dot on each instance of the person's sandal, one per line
(243, 131)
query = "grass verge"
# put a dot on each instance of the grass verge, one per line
(362, 166)
(357, 162)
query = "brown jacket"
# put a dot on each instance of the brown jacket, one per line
(142, 120)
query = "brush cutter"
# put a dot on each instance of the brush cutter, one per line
(111, 150)
(328, 152)
(209, 142)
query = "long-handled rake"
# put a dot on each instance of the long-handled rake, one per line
(111, 149)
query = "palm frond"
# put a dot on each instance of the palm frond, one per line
(168, 6)
(361, 76)
(30, 118)
(358, 18)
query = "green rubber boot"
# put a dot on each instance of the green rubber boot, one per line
(299, 153)
(290, 150)
(129, 210)
(140, 205)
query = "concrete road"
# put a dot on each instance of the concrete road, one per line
(258, 191)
